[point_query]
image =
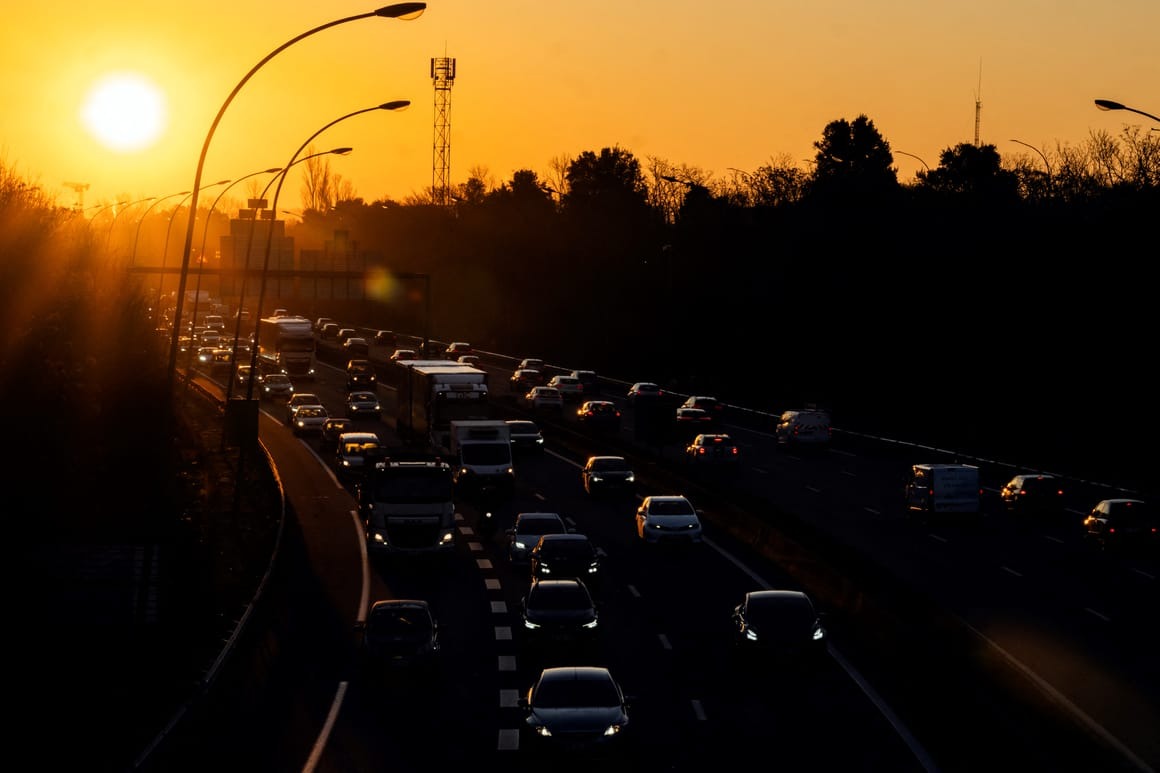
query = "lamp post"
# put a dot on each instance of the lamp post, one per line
(93, 218)
(397, 104)
(404, 11)
(1107, 104)
(246, 264)
(201, 253)
(109, 235)
(140, 222)
(165, 249)
(925, 166)
(1042, 155)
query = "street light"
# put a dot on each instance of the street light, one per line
(925, 166)
(1107, 104)
(404, 11)
(109, 235)
(141, 220)
(246, 261)
(1041, 155)
(165, 249)
(398, 104)
(204, 236)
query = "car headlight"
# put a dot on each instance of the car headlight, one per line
(594, 567)
(750, 634)
(544, 568)
(591, 623)
(530, 625)
(819, 633)
(631, 478)
(612, 730)
(520, 545)
(543, 731)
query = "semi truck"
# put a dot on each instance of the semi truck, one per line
(481, 455)
(432, 394)
(286, 344)
(406, 502)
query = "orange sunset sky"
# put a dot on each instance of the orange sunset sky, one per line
(711, 85)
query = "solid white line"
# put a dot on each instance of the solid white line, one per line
(327, 727)
(944, 540)
(665, 641)
(698, 710)
(813, 490)
(1145, 574)
(1010, 571)
(1091, 611)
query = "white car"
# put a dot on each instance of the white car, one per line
(544, 398)
(668, 518)
(308, 419)
(571, 388)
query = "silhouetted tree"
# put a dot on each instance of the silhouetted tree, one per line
(853, 160)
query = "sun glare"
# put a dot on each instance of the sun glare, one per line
(125, 112)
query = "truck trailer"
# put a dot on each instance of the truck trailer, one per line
(431, 395)
(286, 344)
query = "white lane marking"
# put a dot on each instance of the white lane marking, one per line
(944, 540)
(813, 490)
(1091, 611)
(508, 741)
(509, 699)
(1144, 574)
(635, 593)
(1053, 539)
(698, 710)
(327, 727)
(506, 662)
(849, 474)
(483, 563)
(872, 511)
(665, 641)
(491, 583)
(499, 607)
(1009, 570)
(503, 633)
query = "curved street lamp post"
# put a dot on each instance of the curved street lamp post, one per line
(165, 249)
(404, 11)
(1107, 104)
(398, 104)
(1042, 155)
(925, 166)
(109, 235)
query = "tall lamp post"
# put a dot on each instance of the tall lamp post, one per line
(165, 249)
(405, 11)
(925, 166)
(397, 104)
(109, 235)
(201, 253)
(1107, 104)
(246, 263)
(1046, 164)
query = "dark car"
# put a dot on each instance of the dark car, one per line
(590, 381)
(399, 633)
(564, 555)
(1035, 495)
(711, 405)
(528, 529)
(605, 474)
(1122, 524)
(523, 379)
(332, 429)
(525, 436)
(690, 422)
(559, 611)
(385, 338)
(779, 627)
(713, 449)
(360, 374)
(363, 404)
(574, 708)
(599, 415)
(329, 331)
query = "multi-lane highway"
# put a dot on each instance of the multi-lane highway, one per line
(953, 646)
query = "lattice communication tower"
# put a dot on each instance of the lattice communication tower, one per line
(442, 75)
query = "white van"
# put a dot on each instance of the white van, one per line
(807, 426)
(943, 488)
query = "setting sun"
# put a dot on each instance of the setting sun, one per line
(125, 112)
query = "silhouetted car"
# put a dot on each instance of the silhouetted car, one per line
(575, 707)
(321, 322)
(778, 627)
(544, 398)
(526, 532)
(457, 348)
(690, 422)
(589, 380)
(352, 451)
(308, 419)
(402, 355)
(713, 449)
(558, 556)
(525, 435)
(360, 374)
(605, 474)
(570, 387)
(344, 333)
(297, 399)
(329, 331)
(1034, 494)
(599, 415)
(399, 633)
(643, 390)
(385, 338)
(274, 386)
(356, 346)
(332, 428)
(531, 363)
(523, 379)
(469, 359)
(667, 518)
(559, 611)
(1122, 524)
(710, 405)
(362, 404)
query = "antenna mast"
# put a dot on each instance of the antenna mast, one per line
(443, 75)
(978, 103)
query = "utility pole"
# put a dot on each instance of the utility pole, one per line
(80, 189)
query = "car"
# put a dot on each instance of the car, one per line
(221, 360)
(469, 359)
(360, 374)
(644, 390)
(1033, 495)
(607, 474)
(557, 556)
(523, 379)
(386, 338)
(690, 422)
(308, 419)
(322, 322)
(569, 386)
(402, 355)
(575, 708)
(329, 331)
(332, 429)
(531, 363)
(299, 399)
(457, 348)
(710, 405)
(589, 380)
(713, 449)
(803, 427)
(363, 404)
(344, 333)
(559, 610)
(544, 398)
(352, 451)
(275, 386)
(600, 415)
(356, 346)
(525, 435)
(205, 356)
(242, 376)
(778, 627)
(668, 518)
(399, 634)
(1122, 524)
(525, 533)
